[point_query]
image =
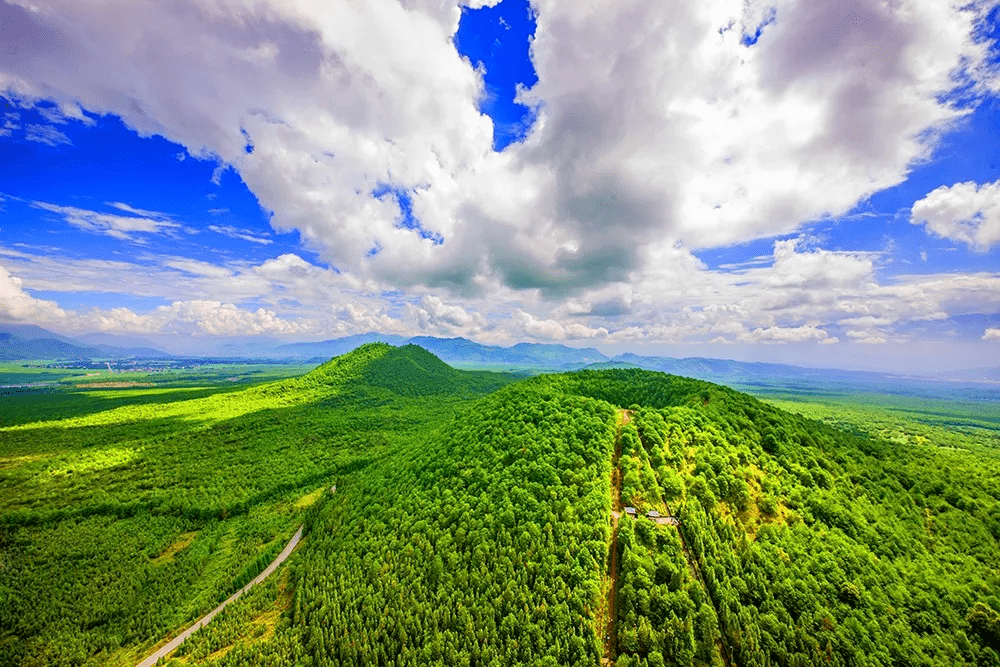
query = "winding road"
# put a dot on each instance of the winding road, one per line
(207, 618)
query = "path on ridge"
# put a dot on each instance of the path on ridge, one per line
(696, 572)
(163, 651)
(611, 609)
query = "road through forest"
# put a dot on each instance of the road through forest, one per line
(207, 618)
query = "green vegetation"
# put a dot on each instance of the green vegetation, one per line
(101, 491)
(29, 374)
(472, 523)
(961, 423)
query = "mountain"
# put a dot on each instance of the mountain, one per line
(121, 345)
(461, 518)
(408, 370)
(608, 365)
(335, 347)
(728, 369)
(521, 354)
(554, 355)
(459, 349)
(30, 332)
(452, 350)
(14, 348)
(27, 341)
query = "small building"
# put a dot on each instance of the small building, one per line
(630, 511)
(668, 521)
(653, 514)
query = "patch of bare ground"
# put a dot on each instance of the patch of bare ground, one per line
(179, 544)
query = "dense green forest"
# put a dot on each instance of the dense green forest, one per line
(479, 521)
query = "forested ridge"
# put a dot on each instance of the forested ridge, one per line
(472, 526)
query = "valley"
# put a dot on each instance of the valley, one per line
(479, 519)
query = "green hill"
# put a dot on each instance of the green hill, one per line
(401, 371)
(480, 522)
(413, 371)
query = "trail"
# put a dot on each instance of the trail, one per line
(696, 572)
(611, 608)
(207, 618)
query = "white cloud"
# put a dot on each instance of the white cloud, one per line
(237, 232)
(142, 213)
(807, 296)
(776, 334)
(16, 304)
(553, 330)
(188, 317)
(866, 337)
(663, 127)
(433, 314)
(991, 334)
(362, 317)
(217, 174)
(62, 114)
(193, 316)
(198, 268)
(46, 134)
(221, 319)
(964, 212)
(124, 228)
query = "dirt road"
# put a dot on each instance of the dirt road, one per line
(611, 603)
(207, 618)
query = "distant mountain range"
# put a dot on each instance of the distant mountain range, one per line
(27, 341)
(452, 350)
(709, 369)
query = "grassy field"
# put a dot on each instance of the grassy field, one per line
(16, 374)
(957, 422)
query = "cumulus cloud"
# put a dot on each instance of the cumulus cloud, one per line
(122, 227)
(868, 337)
(222, 319)
(16, 304)
(192, 316)
(189, 317)
(991, 334)
(363, 317)
(806, 296)
(666, 126)
(554, 330)
(787, 335)
(433, 313)
(964, 212)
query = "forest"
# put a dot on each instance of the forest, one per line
(478, 520)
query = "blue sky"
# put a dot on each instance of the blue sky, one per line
(761, 180)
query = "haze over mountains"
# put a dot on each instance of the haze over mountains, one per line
(27, 341)
(30, 342)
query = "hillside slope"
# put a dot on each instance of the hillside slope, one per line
(474, 529)
(797, 544)
(124, 514)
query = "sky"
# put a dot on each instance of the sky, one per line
(797, 181)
